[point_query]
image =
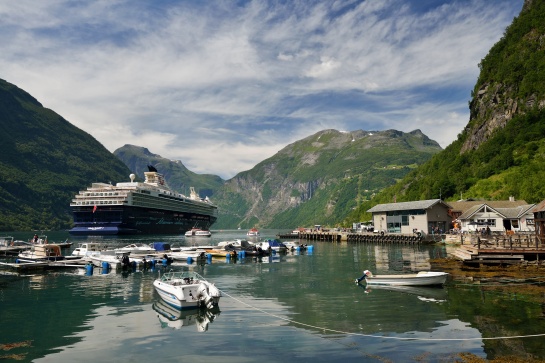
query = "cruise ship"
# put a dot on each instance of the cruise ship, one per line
(133, 207)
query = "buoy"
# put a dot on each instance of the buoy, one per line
(189, 260)
(209, 256)
(89, 269)
(310, 249)
(105, 265)
(243, 254)
(165, 262)
(228, 257)
(17, 261)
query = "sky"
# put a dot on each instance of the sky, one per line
(223, 85)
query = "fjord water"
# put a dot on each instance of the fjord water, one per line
(294, 307)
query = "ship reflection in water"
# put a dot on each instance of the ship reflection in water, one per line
(177, 319)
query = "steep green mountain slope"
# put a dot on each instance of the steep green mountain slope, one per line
(501, 152)
(44, 161)
(176, 174)
(320, 179)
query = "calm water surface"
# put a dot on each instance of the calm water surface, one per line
(294, 307)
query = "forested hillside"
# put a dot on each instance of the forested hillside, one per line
(44, 161)
(501, 152)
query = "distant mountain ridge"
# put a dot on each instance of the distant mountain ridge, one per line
(178, 177)
(330, 170)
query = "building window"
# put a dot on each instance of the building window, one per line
(404, 220)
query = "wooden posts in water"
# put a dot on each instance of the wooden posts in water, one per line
(356, 237)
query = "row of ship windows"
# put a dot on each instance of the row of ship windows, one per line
(99, 202)
(103, 194)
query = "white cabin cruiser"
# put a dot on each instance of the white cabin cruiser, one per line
(185, 289)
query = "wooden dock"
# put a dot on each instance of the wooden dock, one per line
(500, 250)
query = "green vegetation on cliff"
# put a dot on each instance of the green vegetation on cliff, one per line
(501, 153)
(44, 161)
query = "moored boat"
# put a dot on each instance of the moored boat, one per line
(136, 249)
(111, 259)
(42, 252)
(197, 232)
(272, 244)
(253, 232)
(185, 289)
(422, 278)
(84, 248)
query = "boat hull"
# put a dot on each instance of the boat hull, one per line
(181, 294)
(420, 279)
(127, 220)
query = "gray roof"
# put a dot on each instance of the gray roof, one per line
(511, 213)
(419, 204)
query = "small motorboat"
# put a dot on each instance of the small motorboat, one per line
(113, 259)
(272, 244)
(197, 232)
(42, 252)
(253, 232)
(236, 244)
(184, 289)
(136, 249)
(423, 278)
(83, 248)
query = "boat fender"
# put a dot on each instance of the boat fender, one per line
(419, 234)
(105, 265)
(17, 261)
(382, 233)
(189, 260)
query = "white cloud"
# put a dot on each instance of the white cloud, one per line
(222, 87)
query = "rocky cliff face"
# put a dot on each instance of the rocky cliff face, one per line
(509, 84)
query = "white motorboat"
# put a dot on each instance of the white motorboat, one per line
(253, 232)
(236, 244)
(197, 232)
(185, 289)
(137, 249)
(83, 248)
(423, 278)
(114, 259)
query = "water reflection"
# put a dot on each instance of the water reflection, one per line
(177, 319)
(426, 294)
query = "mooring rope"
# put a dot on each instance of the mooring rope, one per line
(376, 336)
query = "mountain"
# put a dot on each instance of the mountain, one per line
(320, 179)
(176, 174)
(44, 161)
(501, 151)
